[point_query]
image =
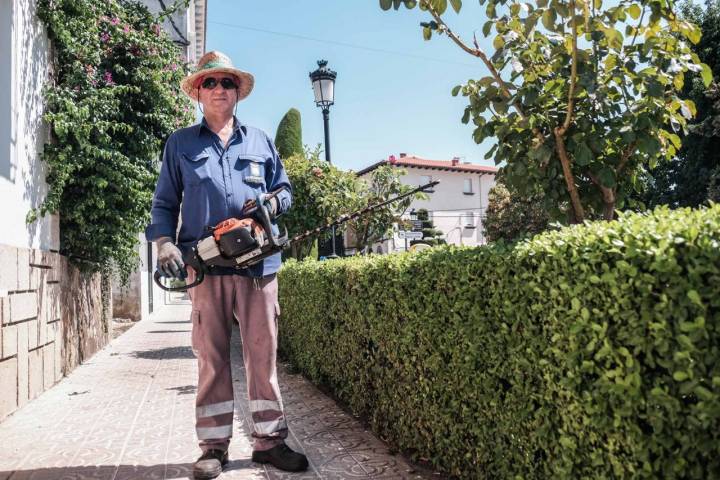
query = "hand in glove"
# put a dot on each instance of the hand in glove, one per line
(271, 203)
(170, 262)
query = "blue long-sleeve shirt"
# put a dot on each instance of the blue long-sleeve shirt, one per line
(205, 182)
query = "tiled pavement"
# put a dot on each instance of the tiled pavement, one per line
(128, 413)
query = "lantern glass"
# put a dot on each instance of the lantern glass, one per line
(323, 85)
(324, 91)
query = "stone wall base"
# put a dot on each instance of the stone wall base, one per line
(51, 319)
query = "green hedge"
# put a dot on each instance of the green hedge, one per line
(589, 352)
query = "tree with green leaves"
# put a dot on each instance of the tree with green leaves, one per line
(581, 95)
(689, 179)
(510, 216)
(319, 193)
(322, 192)
(384, 184)
(288, 138)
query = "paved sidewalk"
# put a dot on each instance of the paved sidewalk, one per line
(129, 412)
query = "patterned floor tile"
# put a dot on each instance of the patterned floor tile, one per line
(128, 413)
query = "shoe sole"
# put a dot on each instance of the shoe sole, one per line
(206, 475)
(210, 475)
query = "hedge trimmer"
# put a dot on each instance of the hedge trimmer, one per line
(242, 242)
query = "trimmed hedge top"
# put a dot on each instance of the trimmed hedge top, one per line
(588, 352)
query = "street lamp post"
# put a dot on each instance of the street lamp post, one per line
(323, 84)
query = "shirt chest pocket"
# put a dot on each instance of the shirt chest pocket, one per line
(252, 169)
(196, 168)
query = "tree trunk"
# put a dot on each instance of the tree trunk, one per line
(609, 201)
(609, 211)
(578, 211)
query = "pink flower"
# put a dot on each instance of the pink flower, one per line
(174, 67)
(126, 29)
(105, 37)
(156, 29)
(115, 20)
(107, 77)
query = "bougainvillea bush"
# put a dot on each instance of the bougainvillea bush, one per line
(112, 100)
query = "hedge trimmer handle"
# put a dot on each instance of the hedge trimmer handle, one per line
(198, 279)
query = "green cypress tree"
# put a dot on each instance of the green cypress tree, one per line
(288, 138)
(431, 235)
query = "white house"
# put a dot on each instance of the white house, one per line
(456, 205)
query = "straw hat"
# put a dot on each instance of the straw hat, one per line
(216, 62)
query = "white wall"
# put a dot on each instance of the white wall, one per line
(159, 296)
(24, 65)
(448, 195)
(449, 204)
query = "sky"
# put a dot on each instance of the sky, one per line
(393, 89)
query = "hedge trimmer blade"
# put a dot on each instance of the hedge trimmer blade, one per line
(358, 213)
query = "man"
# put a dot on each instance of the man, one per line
(208, 172)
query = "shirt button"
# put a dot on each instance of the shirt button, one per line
(229, 195)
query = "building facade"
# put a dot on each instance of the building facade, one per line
(456, 206)
(187, 27)
(52, 317)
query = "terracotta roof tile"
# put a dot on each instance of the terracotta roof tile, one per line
(413, 161)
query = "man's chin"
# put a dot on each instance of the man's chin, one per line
(219, 109)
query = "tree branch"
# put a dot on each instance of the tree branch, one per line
(625, 157)
(477, 52)
(578, 211)
(573, 73)
(609, 199)
(637, 29)
(560, 131)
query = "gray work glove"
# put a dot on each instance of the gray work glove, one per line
(170, 262)
(272, 204)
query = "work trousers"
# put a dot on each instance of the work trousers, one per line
(254, 303)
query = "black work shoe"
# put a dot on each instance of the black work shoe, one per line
(210, 464)
(282, 457)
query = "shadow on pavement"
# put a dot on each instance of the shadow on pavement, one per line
(167, 331)
(108, 472)
(167, 353)
(185, 389)
(102, 472)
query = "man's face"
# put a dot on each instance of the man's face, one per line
(215, 97)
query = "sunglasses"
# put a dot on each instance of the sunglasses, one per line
(210, 83)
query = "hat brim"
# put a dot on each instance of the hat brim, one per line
(247, 81)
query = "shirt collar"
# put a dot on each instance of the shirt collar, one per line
(238, 126)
